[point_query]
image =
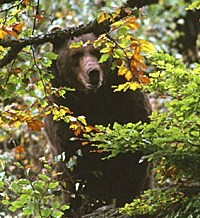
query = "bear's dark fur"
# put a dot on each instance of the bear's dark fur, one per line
(122, 177)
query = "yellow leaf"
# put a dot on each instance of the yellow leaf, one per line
(15, 12)
(117, 12)
(122, 71)
(118, 24)
(90, 128)
(134, 85)
(147, 46)
(103, 16)
(128, 75)
(131, 22)
(82, 120)
(76, 44)
(76, 127)
(2, 34)
(122, 87)
(58, 14)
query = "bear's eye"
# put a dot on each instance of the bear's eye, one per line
(96, 53)
(77, 55)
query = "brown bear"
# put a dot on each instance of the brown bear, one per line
(120, 178)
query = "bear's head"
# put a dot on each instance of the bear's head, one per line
(79, 68)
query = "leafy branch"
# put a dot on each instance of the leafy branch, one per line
(98, 28)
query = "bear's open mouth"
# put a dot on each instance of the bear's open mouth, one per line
(91, 86)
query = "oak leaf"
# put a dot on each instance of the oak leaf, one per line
(20, 149)
(35, 124)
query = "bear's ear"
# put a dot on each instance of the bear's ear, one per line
(57, 43)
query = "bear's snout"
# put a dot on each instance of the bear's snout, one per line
(94, 78)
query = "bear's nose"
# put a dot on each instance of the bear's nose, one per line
(94, 76)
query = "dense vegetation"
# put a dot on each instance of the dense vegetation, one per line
(163, 55)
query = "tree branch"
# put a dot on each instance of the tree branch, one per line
(94, 26)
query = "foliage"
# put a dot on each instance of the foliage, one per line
(28, 183)
(29, 196)
(194, 5)
(171, 139)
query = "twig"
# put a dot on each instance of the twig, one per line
(39, 70)
(12, 6)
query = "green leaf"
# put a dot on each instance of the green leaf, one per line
(5, 202)
(17, 204)
(15, 187)
(18, 165)
(2, 184)
(12, 208)
(51, 55)
(65, 207)
(28, 211)
(57, 213)
(104, 58)
(118, 53)
(24, 182)
(44, 177)
(56, 205)
(47, 166)
(53, 185)
(28, 190)
(39, 186)
(24, 198)
(46, 212)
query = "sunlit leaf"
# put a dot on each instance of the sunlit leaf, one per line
(131, 22)
(124, 71)
(146, 46)
(118, 24)
(90, 128)
(104, 58)
(76, 44)
(103, 16)
(122, 87)
(82, 120)
(2, 33)
(15, 12)
(134, 85)
(58, 14)
(118, 53)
